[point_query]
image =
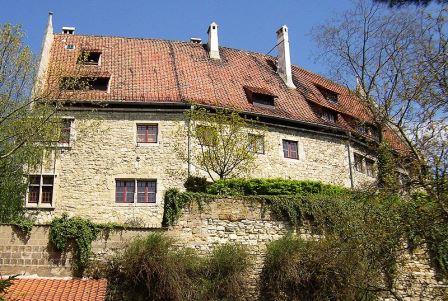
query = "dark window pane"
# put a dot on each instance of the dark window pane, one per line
(290, 149)
(359, 166)
(146, 191)
(124, 191)
(48, 180)
(33, 194)
(147, 133)
(47, 194)
(34, 180)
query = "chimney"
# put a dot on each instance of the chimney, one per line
(212, 44)
(68, 30)
(284, 58)
(359, 88)
(44, 56)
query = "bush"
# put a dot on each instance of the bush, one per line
(225, 273)
(250, 187)
(152, 268)
(296, 269)
(196, 184)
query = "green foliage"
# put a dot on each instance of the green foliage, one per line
(224, 277)
(428, 224)
(76, 232)
(196, 184)
(387, 168)
(323, 269)
(354, 258)
(250, 187)
(174, 202)
(24, 224)
(220, 139)
(152, 268)
(5, 284)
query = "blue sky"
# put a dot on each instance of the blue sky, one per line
(244, 24)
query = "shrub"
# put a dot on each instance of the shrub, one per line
(250, 187)
(225, 274)
(296, 269)
(196, 184)
(152, 268)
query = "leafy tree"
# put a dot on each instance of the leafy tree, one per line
(220, 142)
(405, 2)
(29, 122)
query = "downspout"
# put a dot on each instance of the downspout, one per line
(189, 141)
(349, 152)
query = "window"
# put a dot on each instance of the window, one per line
(359, 164)
(40, 190)
(370, 167)
(328, 115)
(290, 149)
(126, 192)
(207, 135)
(70, 47)
(328, 94)
(146, 191)
(84, 83)
(89, 57)
(147, 133)
(260, 96)
(256, 143)
(64, 136)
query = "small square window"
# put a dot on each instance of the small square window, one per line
(147, 133)
(146, 191)
(125, 190)
(290, 149)
(256, 143)
(40, 189)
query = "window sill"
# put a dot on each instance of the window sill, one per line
(136, 204)
(291, 159)
(39, 207)
(147, 144)
(63, 145)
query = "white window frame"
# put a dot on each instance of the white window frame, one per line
(41, 184)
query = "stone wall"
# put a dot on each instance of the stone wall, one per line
(218, 222)
(103, 148)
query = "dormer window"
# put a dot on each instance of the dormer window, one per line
(329, 116)
(84, 83)
(328, 94)
(89, 57)
(259, 96)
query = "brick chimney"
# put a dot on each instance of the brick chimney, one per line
(284, 58)
(213, 45)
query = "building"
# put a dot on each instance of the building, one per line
(118, 155)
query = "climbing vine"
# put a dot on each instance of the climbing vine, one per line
(78, 233)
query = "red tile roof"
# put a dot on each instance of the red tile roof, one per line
(43, 289)
(157, 71)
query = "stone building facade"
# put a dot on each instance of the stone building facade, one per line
(124, 122)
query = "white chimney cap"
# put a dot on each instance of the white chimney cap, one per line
(196, 40)
(68, 30)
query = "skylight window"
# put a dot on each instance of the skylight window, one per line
(89, 57)
(258, 96)
(328, 94)
(84, 83)
(328, 115)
